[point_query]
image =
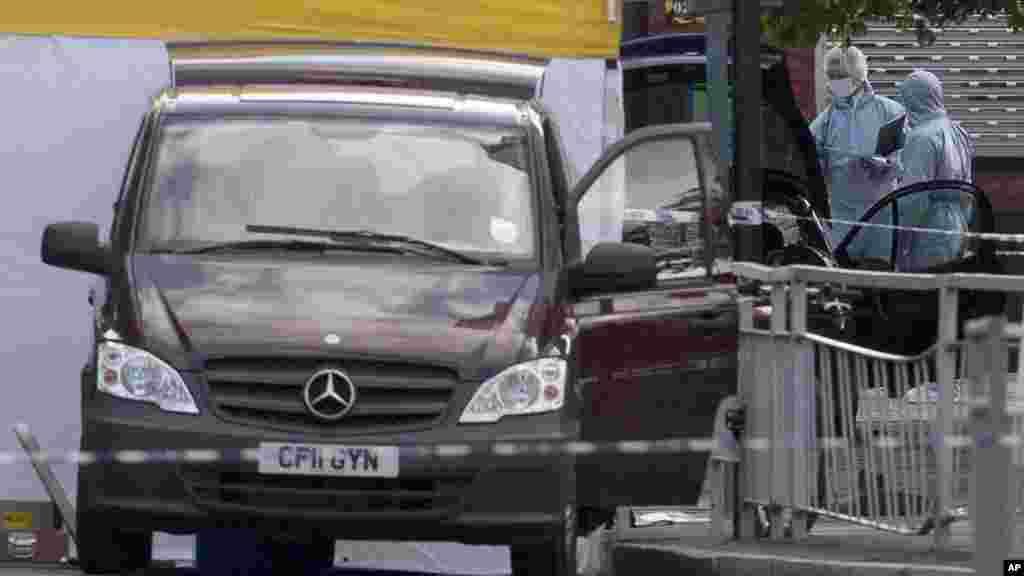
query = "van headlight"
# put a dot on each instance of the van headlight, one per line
(134, 374)
(529, 388)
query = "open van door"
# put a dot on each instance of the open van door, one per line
(654, 355)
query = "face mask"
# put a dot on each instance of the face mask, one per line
(842, 88)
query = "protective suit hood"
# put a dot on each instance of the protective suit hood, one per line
(853, 63)
(921, 94)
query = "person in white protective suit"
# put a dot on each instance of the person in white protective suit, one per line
(935, 148)
(846, 134)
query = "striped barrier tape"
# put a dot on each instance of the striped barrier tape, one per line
(532, 448)
(997, 237)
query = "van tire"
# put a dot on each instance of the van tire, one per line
(553, 557)
(105, 550)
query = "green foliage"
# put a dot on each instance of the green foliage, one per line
(802, 22)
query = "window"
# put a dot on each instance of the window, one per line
(653, 192)
(466, 188)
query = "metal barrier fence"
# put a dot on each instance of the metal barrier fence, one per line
(872, 438)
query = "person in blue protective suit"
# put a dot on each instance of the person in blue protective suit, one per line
(935, 148)
(846, 134)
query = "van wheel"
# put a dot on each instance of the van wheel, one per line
(555, 557)
(103, 549)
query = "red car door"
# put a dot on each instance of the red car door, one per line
(652, 365)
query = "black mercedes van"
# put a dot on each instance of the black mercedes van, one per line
(319, 264)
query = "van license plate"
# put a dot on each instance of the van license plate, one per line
(328, 460)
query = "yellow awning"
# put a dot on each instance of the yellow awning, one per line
(543, 28)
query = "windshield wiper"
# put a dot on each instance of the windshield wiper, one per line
(290, 245)
(375, 238)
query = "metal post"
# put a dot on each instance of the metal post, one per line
(800, 402)
(746, 74)
(750, 392)
(945, 361)
(781, 369)
(50, 483)
(993, 501)
(717, 69)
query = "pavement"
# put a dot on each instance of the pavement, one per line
(174, 556)
(661, 542)
(833, 548)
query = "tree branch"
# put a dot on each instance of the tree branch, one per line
(802, 23)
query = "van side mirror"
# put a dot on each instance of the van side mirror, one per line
(615, 267)
(75, 246)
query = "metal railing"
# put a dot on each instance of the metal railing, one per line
(836, 430)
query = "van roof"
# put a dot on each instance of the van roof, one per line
(298, 62)
(399, 104)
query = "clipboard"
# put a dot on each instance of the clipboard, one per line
(890, 137)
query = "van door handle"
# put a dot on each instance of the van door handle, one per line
(712, 319)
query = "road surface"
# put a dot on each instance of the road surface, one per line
(352, 558)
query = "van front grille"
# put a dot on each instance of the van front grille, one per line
(269, 393)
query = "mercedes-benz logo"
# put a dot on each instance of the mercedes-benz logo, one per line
(329, 394)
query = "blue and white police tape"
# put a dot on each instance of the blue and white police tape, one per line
(498, 449)
(996, 237)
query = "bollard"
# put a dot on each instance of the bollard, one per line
(992, 491)
(945, 373)
(799, 391)
(746, 523)
(725, 456)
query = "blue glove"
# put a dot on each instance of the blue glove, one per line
(878, 167)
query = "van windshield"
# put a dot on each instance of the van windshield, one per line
(466, 188)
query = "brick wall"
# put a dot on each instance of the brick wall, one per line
(800, 62)
(1004, 189)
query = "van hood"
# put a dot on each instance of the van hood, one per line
(475, 320)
